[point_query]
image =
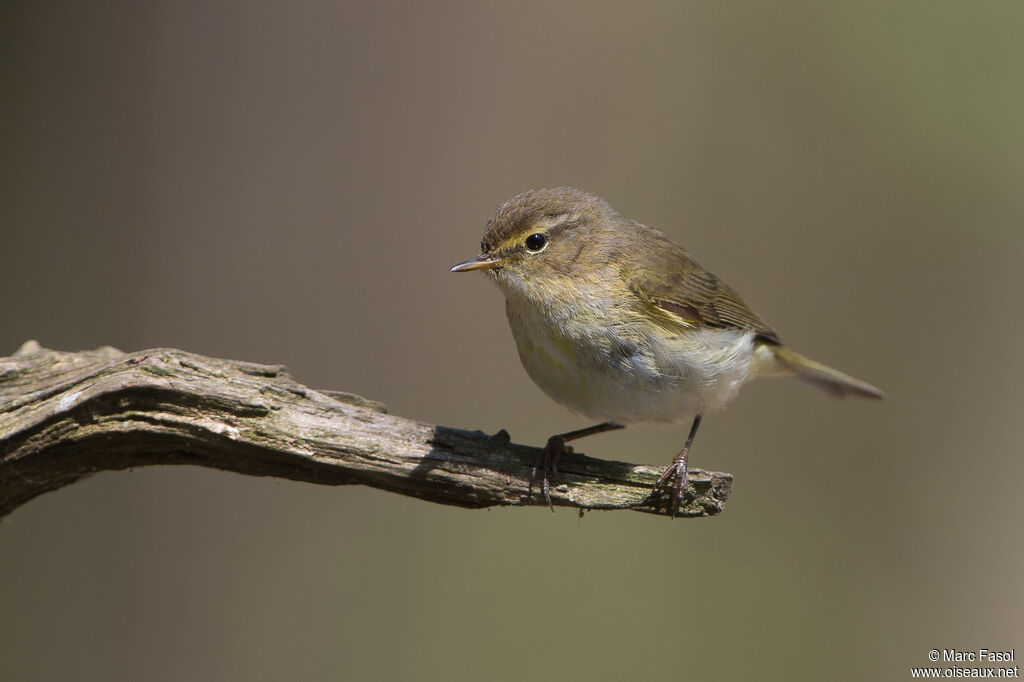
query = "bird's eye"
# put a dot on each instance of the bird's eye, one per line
(535, 242)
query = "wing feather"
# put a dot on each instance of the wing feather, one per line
(667, 279)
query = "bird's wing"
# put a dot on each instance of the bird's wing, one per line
(680, 292)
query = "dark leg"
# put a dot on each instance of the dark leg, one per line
(547, 460)
(677, 471)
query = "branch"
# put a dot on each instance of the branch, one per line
(64, 416)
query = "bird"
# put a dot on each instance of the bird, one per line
(618, 323)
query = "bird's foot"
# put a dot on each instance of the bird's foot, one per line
(547, 466)
(674, 479)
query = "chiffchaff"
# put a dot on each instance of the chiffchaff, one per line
(619, 324)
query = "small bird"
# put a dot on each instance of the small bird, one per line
(619, 324)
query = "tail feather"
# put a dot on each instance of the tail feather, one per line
(822, 376)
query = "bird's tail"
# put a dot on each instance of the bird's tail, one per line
(774, 359)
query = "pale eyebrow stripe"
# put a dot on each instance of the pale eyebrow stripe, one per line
(554, 220)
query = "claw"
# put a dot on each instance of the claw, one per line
(547, 459)
(547, 462)
(676, 473)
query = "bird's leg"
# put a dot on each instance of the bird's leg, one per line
(547, 459)
(677, 471)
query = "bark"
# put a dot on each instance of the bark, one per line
(64, 416)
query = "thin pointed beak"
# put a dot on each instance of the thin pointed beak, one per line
(481, 262)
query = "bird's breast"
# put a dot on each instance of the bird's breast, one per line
(609, 365)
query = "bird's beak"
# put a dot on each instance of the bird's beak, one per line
(481, 262)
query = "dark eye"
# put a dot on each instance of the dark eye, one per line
(536, 241)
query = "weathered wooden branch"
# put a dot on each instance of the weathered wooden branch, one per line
(64, 416)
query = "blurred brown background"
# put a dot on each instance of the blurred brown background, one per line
(289, 184)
